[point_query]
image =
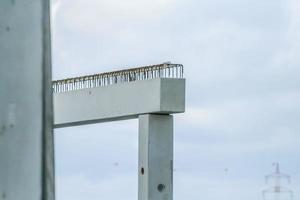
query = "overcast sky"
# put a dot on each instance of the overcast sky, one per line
(242, 67)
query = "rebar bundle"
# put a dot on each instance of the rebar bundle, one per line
(165, 70)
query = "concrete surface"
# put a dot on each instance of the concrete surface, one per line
(120, 101)
(155, 157)
(26, 145)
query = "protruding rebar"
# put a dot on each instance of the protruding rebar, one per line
(165, 70)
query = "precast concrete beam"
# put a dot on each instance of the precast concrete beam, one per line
(119, 101)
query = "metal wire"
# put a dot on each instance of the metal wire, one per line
(165, 70)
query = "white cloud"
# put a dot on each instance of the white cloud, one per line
(79, 187)
(107, 15)
(216, 187)
(289, 56)
(242, 126)
(55, 6)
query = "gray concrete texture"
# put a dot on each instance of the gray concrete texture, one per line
(120, 101)
(155, 157)
(26, 139)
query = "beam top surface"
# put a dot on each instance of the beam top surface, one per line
(164, 70)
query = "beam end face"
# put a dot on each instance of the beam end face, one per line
(172, 96)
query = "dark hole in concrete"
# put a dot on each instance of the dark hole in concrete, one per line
(161, 187)
(7, 28)
(142, 171)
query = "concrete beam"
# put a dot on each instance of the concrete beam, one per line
(120, 101)
(155, 157)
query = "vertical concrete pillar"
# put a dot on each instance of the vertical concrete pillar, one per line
(155, 157)
(26, 119)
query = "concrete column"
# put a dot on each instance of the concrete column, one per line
(26, 119)
(155, 157)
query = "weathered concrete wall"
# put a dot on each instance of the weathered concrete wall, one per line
(120, 101)
(26, 143)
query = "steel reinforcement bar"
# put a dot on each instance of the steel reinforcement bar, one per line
(165, 70)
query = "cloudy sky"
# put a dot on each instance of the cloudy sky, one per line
(242, 67)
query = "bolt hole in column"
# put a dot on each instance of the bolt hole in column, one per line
(142, 171)
(161, 187)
